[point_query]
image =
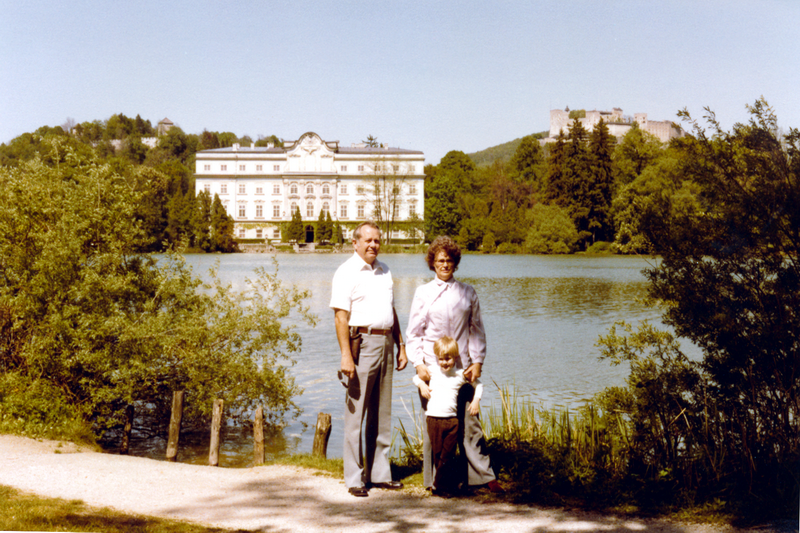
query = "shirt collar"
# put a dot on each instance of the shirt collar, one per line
(440, 283)
(377, 265)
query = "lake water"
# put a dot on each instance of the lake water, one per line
(543, 316)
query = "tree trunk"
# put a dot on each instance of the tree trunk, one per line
(175, 425)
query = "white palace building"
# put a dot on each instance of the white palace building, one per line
(261, 187)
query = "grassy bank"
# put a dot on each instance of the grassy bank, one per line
(25, 512)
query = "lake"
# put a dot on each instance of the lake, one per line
(543, 316)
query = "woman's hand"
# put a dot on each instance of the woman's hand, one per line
(422, 372)
(473, 372)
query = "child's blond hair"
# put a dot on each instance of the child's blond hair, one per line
(446, 346)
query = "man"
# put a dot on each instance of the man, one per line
(362, 299)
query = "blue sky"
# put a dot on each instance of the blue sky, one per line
(426, 75)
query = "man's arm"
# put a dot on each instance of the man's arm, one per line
(397, 335)
(341, 319)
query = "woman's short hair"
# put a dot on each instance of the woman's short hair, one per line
(444, 244)
(446, 346)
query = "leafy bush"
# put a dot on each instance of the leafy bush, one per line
(36, 408)
(551, 231)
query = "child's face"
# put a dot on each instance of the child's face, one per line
(446, 362)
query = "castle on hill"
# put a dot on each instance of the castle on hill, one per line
(618, 124)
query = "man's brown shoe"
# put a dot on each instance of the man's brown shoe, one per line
(360, 492)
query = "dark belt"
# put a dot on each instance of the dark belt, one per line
(373, 331)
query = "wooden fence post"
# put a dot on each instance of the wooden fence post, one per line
(258, 437)
(126, 431)
(216, 424)
(321, 435)
(175, 425)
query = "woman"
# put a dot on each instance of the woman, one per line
(446, 307)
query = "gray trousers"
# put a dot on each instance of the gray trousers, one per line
(368, 414)
(472, 444)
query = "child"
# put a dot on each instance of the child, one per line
(442, 419)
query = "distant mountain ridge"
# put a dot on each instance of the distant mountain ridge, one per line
(502, 152)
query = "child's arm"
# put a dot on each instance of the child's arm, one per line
(475, 404)
(423, 387)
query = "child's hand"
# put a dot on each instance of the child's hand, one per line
(475, 407)
(425, 391)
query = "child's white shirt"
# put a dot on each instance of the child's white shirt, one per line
(444, 391)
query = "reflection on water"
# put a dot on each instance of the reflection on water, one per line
(543, 316)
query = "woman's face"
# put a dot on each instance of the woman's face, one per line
(443, 266)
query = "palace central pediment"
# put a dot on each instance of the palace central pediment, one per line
(310, 154)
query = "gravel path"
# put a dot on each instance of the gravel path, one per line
(274, 498)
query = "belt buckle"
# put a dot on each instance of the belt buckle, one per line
(369, 330)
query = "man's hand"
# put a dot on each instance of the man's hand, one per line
(473, 372)
(422, 372)
(402, 359)
(348, 366)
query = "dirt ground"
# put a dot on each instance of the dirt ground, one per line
(279, 498)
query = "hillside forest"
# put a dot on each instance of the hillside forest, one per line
(586, 191)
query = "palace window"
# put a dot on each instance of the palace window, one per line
(259, 168)
(293, 208)
(259, 190)
(207, 188)
(241, 168)
(412, 188)
(412, 209)
(326, 208)
(310, 210)
(361, 168)
(258, 233)
(223, 168)
(360, 211)
(343, 211)
(293, 189)
(241, 233)
(326, 189)
(276, 233)
(396, 168)
(259, 211)
(242, 209)
(343, 188)
(359, 189)
(207, 168)
(309, 189)
(242, 189)
(276, 211)
(223, 189)
(276, 188)
(344, 168)
(276, 168)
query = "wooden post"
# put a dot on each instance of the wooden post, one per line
(126, 431)
(175, 425)
(216, 424)
(322, 435)
(258, 437)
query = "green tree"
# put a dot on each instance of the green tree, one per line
(295, 232)
(221, 237)
(371, 141)
(551, 231)
(201, 222)
(601, 192)
(527, 164)
(731, 273)
(324, 226)
(107, 327)
(634, 153)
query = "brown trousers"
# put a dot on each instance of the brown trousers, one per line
(443, 433)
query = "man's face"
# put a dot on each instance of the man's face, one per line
(368, 245)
